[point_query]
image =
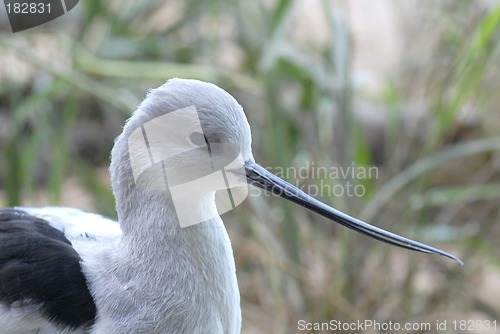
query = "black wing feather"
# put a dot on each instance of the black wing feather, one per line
(39, 266)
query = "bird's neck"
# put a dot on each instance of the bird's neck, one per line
(188, 273)
(152, 219)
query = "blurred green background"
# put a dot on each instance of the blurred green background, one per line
(409, 87)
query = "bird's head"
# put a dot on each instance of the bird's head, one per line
(192, 139)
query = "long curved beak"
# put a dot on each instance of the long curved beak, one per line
(260, 177)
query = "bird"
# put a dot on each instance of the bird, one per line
(167, 265)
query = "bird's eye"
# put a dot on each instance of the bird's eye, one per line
(198, 138)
